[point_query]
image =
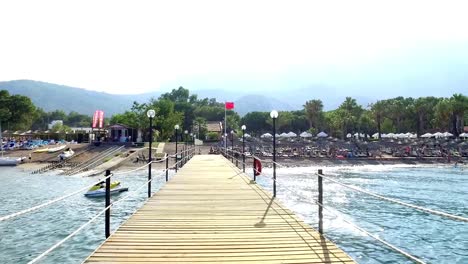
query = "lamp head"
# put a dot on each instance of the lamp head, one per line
(151, 113)
(274, 114)
(232, 132)
(243, 127)
(186, 132)
(176, 127)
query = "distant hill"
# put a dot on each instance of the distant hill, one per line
(255, 102)
(51, 97)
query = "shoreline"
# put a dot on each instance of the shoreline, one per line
(30, 166)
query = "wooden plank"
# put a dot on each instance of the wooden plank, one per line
(210, 212)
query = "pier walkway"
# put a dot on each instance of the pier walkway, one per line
(210, 212)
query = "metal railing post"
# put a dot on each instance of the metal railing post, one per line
(320, 201)
(107, 220)
(167, 167)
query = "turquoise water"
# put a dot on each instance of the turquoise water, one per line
(432, 238)
(25, 237)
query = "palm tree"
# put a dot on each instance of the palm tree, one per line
(459, 105)
(314, 112)
(378, 110)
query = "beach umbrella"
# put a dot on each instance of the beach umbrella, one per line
(322, 135)
(266, 135)
(391, 135)
(438, 135)
(427, 135)
(305, 134)
(282, 135)
(376, 135)
(292, 134)
(447, 134)
(348, 135)
(463, 135)
(247, 135)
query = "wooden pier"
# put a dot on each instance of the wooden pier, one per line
(210, 212)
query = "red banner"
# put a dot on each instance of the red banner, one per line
(101, 119)
(95, 119)
(98, 119)
(229, 105)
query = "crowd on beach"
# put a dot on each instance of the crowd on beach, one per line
(451, 149)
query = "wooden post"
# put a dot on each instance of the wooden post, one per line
(320, 201)
(107, 220)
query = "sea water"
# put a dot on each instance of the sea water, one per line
(434, 239)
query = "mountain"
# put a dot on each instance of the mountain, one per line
(255, 102)
(50, 97)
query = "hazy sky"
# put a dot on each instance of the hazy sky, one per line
(141, 46)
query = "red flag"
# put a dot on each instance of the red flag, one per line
(98, 119)
(229, 105)
(101, 119)
(95, 119)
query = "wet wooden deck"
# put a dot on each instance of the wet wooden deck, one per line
(210, 212)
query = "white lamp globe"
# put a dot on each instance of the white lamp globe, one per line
(274, 114)
(151, 113)
(176, 127)
(243, 127)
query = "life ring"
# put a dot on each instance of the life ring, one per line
(257, 166)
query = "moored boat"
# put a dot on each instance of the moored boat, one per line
(66, 154)
(10, 161)
(41, 150)
(51, 150)
(99, 190)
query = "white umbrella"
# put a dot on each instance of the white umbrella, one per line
(463, 135)
(348, 135)
(283, 135)
(322, 134)
(266, 135)
(447, 134)
(376, 135)
(292, 134)
(427, 135)
(247, 135)
(391, 135)
(305, 134)
(438, 135)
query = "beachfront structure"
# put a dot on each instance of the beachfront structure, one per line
(121, 133)
(214, 127)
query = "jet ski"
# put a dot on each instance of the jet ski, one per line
(99, 190)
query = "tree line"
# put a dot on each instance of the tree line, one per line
(17, 112)
(396, 115)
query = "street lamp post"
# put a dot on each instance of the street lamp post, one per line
(274, 115)
(243, 147)
(176, 128)
(151, 113)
